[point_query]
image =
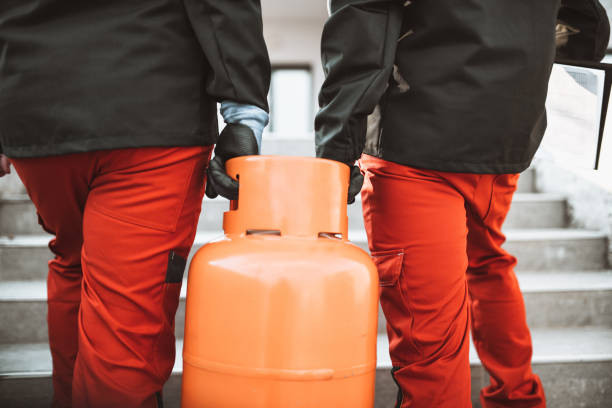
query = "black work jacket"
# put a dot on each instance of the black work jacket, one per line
(449, 85)
(89, 75)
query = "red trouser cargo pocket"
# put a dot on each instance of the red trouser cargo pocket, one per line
(396, 306)
(389, 265)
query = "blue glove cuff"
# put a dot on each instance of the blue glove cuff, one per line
(248, 115)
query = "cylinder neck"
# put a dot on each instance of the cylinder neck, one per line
(294, 196)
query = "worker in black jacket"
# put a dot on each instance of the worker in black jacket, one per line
(108, 113)
(443, 101)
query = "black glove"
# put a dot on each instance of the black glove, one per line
(355, 184)
(235, 140)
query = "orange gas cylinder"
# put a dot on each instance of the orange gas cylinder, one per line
(282, 311)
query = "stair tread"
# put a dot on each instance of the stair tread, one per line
(530, 282)
(579, 345)
(23, 291)
(560, 234)
(37, 240)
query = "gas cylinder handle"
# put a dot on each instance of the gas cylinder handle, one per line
(331, 235)
(263, 232)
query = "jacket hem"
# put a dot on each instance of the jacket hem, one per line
(108, 143)
(459, 167)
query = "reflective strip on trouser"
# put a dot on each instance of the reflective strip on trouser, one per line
(436, 240)
(124, 222)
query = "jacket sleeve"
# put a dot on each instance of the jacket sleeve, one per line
(358, 50)
(230, 33)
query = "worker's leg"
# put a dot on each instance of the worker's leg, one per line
(499, 325)
(417, 235)
(139, 224)
(58, 186)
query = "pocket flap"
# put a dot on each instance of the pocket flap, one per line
(176, 268)
(389, 265)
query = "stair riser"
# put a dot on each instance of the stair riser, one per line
(544, 310)
(527, 182)
(27, 324)
(24, 263)
(537, 214)
(569, 309)
(559, 255)
(567, 385)
(18, 218)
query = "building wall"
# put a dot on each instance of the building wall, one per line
(297, 42)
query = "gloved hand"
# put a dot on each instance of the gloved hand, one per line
(235, 140)
(355, 184)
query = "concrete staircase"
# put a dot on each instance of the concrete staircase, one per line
(563, 273)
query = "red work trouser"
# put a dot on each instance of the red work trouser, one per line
(436, 240)
(124, 222)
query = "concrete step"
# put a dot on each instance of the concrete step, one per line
(576, 372)
(25, 257)
(579, 299)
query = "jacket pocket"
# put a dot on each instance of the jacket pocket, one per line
(389, 265)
